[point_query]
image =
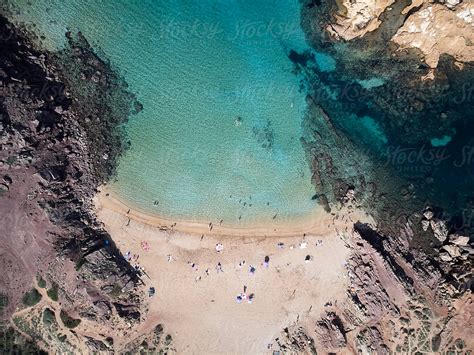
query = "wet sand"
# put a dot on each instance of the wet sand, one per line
(317, 222)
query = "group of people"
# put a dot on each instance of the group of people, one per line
(131, 257)
(133, 260)
(243, 296)
(219, 247)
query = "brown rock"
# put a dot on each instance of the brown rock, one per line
(330, 332)
(425, 224)
(458, 239)
(428, 214)
(439, 229)
(445, 257)
(453, 250)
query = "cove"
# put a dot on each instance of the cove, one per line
(219, 135)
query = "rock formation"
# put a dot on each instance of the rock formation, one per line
(51, 162)
(434, 27)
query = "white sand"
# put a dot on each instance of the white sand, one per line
(203, 316)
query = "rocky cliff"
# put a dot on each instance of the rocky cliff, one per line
(433, 27)
(64, 284)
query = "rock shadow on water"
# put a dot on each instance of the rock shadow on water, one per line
(405, 114)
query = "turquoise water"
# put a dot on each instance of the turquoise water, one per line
(325, 62)
(371, 83)
(440, 142)
(219, 136)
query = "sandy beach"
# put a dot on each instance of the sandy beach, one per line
(317, 222)
(197, 303)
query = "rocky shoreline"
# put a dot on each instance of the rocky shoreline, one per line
(60, 138)
(411, 273)
(432, 27)
(376, 105)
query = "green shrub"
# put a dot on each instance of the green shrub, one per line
(116, 291)
(68, 321)
(12, 342)
(3, 302)
(31, 298)
(53, 292)
(168, 340)
(48, 317)
(41, 282)
(80, 263)
(11, 160)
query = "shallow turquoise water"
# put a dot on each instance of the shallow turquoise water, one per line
(219, 136)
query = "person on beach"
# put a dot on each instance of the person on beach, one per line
(239, 298)
(151, 292)
(145, 246)
(219, 267)
(251, 297)
(138, 269)
(266, 262)
(193, 266)
(252, 270)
